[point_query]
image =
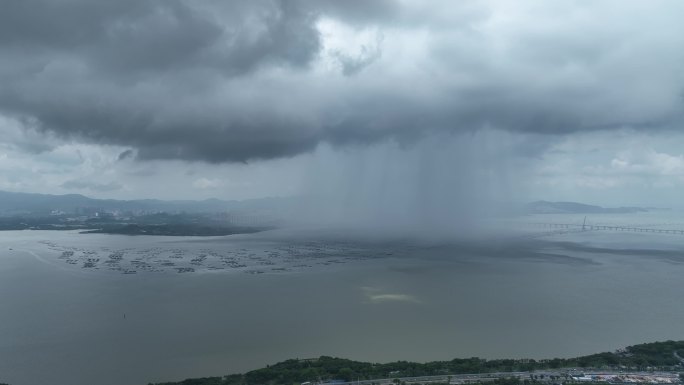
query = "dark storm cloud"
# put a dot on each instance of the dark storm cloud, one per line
(126, 154)
(360, 11)
(138, 72)
(124, 37)
(243, 80)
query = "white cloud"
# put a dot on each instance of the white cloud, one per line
(613, 167)
(206, 183)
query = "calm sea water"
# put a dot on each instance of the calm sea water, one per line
(104, 309)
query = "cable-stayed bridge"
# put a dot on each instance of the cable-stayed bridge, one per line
(590, 227)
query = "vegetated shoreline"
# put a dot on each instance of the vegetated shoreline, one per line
(176, 230)
(158, 230)
(162, 224)
(644, 357)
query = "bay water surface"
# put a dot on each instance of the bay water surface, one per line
(117, 310)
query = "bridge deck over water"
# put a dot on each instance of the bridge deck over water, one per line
(585, 227)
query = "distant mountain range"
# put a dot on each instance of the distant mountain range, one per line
(544, 207)
(13, 203)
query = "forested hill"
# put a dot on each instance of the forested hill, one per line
(657, 355)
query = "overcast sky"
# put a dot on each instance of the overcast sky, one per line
(412, 100)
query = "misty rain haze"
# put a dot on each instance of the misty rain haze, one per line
(205, 188)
